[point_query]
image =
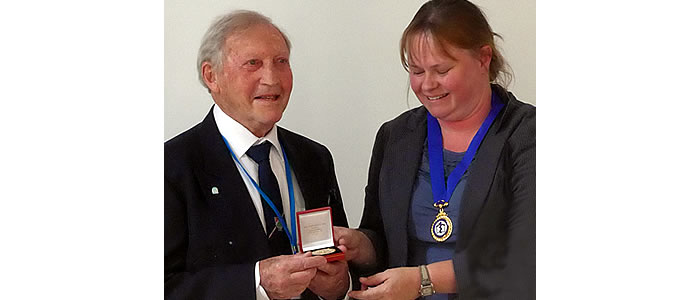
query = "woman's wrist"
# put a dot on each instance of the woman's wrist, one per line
(442, 276)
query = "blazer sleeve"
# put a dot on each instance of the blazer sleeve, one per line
(371, 223)
(335, 201)
(520, 260)
(235, 281)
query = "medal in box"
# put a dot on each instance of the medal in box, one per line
(315, 229)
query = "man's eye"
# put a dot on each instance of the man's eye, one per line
(417, 72)
(252, 62)
(283, 60)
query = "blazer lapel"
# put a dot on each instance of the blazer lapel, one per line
(405, 152)
(305, 170)
(219, 170)
(484, 166)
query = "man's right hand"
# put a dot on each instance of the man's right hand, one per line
(287, 276)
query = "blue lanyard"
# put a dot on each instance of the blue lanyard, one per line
(437, 173)
(292, 236)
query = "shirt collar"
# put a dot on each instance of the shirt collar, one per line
(240, 138)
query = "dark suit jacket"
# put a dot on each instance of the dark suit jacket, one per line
(495, 251)
(213, 241)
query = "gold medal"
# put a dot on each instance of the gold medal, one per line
(322, 251)
(442, 226)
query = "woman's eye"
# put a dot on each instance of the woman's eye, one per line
(417, 72)
(283, 60)
(443, 72)
(252, 62)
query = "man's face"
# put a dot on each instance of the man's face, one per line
(254, 82)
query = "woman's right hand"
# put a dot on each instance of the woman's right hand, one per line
(356, 245)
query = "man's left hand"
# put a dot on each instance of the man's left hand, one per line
(331, 281)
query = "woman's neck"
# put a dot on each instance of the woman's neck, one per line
(456, 135)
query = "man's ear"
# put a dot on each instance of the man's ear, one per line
(209, 77)
(485, 54)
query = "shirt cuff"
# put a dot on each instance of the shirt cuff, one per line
(260, 293)
(349, 287)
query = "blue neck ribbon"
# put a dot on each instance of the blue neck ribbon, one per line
(291, 235)
(442, 193)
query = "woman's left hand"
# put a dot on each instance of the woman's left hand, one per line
(396, 283)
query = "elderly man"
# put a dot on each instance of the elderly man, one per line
(234, 181)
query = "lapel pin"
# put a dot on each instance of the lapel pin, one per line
(214, 190)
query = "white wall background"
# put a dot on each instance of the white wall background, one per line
(348, 78)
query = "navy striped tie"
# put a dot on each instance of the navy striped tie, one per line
(278, 240)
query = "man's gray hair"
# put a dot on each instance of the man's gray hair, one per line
(212, 47)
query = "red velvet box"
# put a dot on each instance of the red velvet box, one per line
(315, 233)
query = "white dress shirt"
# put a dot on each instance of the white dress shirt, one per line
(241, 139)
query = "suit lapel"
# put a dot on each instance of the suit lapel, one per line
(219, 170)
(484, 167)
(403, 159)
(305, 170)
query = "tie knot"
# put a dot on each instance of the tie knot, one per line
(260, 153)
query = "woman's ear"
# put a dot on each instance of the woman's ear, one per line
(485, 54)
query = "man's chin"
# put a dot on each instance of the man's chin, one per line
(270, 120)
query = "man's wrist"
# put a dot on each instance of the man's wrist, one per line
(367, 253)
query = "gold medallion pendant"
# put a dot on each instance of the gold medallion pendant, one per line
(442, 226)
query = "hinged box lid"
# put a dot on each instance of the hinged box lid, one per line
(315, 229)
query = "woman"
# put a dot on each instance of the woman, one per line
(451, 183)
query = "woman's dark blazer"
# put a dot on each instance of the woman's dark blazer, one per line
(495, 252)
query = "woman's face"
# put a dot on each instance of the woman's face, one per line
(449, 81)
